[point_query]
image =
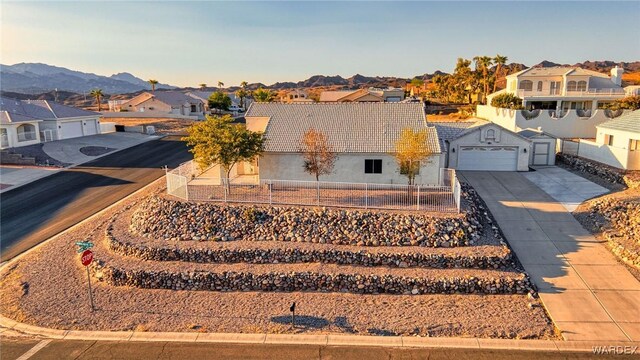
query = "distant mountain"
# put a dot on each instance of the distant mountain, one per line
(35, 78)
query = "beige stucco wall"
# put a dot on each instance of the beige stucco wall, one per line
(503, 138)
(617, 155)
(348, 168)
(12, 134)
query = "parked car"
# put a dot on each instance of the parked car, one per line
(235, 108)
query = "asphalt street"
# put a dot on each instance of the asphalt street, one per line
(39, 210)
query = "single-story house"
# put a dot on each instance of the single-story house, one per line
(363, 95)
(362, 134)
(482, 145)
(164, 103)
(617, 143)
(204, 97)
(27, 122)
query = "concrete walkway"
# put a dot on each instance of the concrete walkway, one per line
(68, 151)
(566, 187)
(587, 293)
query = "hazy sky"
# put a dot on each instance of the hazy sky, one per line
(187, 43)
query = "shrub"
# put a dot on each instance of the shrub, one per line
(507, 101)
(627, 103)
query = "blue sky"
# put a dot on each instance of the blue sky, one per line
(187, 43)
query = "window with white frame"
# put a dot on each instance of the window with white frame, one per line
(634, 145)
(539, 86)
(26, 132)
(582, 86)
(608, 139)
(572, 86)
(526, 85)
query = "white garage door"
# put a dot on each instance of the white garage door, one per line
(90, 128)
(71, 129)
(492, 158)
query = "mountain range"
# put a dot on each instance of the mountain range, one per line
(43, 79)
(35, 78)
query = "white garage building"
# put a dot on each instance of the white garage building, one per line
(50, 121)
(484, 146)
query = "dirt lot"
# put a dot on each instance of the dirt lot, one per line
(47, 287)
(162, 125)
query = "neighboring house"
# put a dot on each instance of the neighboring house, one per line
(28, 122)
(204, 97)
(164, 103)
(363, 95)
(362, 134)
(481, 145)
(617, 143)
(565, 102)
(295, 96)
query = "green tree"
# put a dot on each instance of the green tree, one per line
(263, 95)
(97, 93)
(627, 103)
(507, 101)
(242, 94)
(202, 86)
(417, 82)
(220, 84)
(244, 84)
(483, 63)
(500, 62)
(153, 83)
(219, 100)
(411, 151)
(218, 141)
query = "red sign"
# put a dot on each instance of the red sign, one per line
(87, 257)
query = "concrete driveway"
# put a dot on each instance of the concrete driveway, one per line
(68, 150)
(566, 187)
(588, 294)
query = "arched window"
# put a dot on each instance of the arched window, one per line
(26, 132)
(539, 86)
(490, 135)
(526, 85)
(582, 85)
(571, 86)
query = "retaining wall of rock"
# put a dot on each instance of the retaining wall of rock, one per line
(296, 255)
(309, 281)
(608, 173)
(163, 218)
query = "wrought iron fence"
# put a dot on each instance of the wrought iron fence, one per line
(444, 197)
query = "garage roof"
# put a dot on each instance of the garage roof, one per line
(28, 110)
(350, 127)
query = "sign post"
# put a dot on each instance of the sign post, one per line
(86, 258)
(293, 315)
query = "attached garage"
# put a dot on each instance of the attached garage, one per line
(494, 158)
(483, 146)
(71, 129)
(90, 127)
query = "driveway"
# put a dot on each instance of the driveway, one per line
(68, 150)
(588, 294)
(565, 187)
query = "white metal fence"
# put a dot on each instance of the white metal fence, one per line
(444, 197)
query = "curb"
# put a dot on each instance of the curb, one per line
(13, 187)
(315, 340)
(291, 339)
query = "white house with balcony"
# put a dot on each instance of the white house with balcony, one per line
(617, 143)
(566, 102)
(28, 122)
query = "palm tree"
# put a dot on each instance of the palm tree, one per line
(483, 63)
(153, 83)
(241, 93)
(244, 84)
(202, 86)
(97, 93)
(500, 61)
(263, 95)
(220, 84)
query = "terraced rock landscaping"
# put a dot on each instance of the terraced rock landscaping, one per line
(166, 265)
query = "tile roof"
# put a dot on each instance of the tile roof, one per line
(350, 127)
(30, 110)
(335, 95)
(175, 98)
(628, 122)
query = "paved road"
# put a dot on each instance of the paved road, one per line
(63, 349)
(37, 211)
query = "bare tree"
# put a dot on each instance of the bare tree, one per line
(319, 157)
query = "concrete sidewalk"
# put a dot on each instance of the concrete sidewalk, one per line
(68, 151)
(588, 294)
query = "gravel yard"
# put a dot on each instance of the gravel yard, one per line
(35, 151)
(47, 287)
(165, 126)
